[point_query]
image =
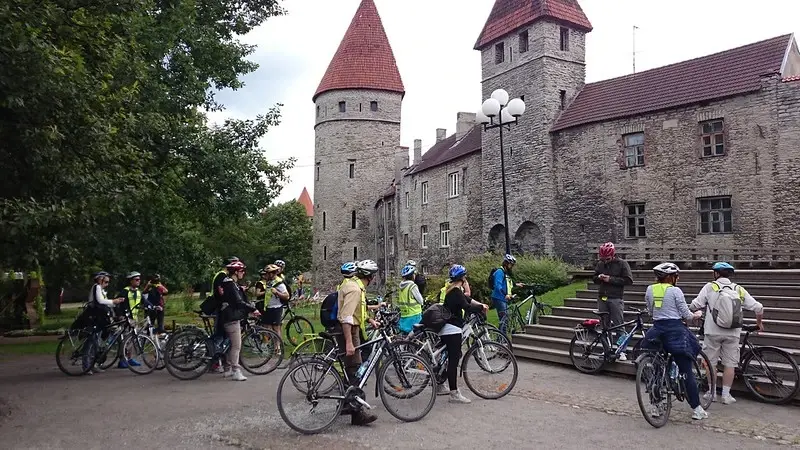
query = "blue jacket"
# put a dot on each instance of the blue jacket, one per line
(499, 287)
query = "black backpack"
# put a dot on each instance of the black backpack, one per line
(329, 310)
(436, 317)
(491, 279)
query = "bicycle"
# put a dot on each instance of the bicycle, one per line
(298, 326)
(146, 327)
(513, 321)
(311, 375)
(594, 347)
(658, 380)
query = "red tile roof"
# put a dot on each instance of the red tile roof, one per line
(794, 78)
(305, 200)
(364, 59)
(509, 15)
(448, 149)
(732, 72)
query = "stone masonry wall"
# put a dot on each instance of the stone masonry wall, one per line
(367, 139)
(786, 169)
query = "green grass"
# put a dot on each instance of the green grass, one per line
(553, 298)
(29, 348)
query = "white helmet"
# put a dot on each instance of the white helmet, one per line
(367, 267)
(665, 269)
(411, 263)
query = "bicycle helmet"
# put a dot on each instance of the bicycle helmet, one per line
(407, 270)
(367, 267)
(280, 263)
(722, 266)
(457, 272)
(665, 269)
(271, 268)
(133, 275)
(262, 271)
(411, 263)
(235, 266)
(230, 260)
(607, 251)
(348, 269)
(509, 258)
(102, 273)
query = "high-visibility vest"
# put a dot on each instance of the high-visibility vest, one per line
(134, 298)
(443, 291)
(659, 290)
(363, 302)
(716, 287)
(261, 284)
(214, 278)
(408, 306)
(339, 286)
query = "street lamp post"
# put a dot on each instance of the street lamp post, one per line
(498, 112)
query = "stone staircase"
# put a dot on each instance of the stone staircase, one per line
(777, 290)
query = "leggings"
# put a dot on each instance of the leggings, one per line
(453, 344)
(686, 367)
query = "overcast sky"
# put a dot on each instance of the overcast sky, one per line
(432, 42)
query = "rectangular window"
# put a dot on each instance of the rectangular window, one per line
(635, 220)
(324, 252)
(352, 170)
(423, 238)
(317, 111)
(359, 107)
(562, 97)
(713, 138)
(353, 220)
(389, 211)
(355, 253)
(424, 270)
(444, 234)
(405, 241)
(715, 215)
(408, 201)
(424, 192)
(634, 149)
(317, 171)
(454, 186)
(564, 39)
(324, 221)
(523, 42)
(373, 106)
(499, 53)
(391, 245)
(342, 107)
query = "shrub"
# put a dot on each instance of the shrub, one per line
(547, 271)
(434, 285)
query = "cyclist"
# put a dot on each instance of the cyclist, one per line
(261, 291)
(233, 310)
(612, 274)
(155, 297)
(101, 311)
(668, 307)
(409, 300)
(501, 289)
(353, 318)
(419, 279)
(278, 296)
(132, 297)
(457, 303)
(348, 270)
(724, 342)
(216, 292)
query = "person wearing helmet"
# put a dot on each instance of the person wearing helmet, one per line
(457, 303)
(216, 294)
(100, 309)
(612, 274)
(156, 296)
(233, 310)
(278, 295)
(723, 343)
(667, 306)
(261, 291)
(419, 278)
(501, 288)
(409, 300)
(133, 297)
(348, 271)
(353, 318)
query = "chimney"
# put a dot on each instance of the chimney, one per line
(441, 134)
(400, 162)
(464, 122)
(417, 150)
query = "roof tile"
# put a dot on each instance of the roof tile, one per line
(509, 15)
(449, 149)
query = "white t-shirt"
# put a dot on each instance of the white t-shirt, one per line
(275, 301)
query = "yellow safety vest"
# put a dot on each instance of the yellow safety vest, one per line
(408, 306)
(716, 287)
(363, 302)
(443, 291)
(264, 287)
(134, 298)
(339, 286)
(659, 290)
(221, 272)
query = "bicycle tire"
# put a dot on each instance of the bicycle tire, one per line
(573, 347)
(645, 362)
(109, 362)
(395, 362)
(541, 309)
(707, 383)
(205, 342)
(60, 346)
(294, 336)
(291, 375)
(494, 335)
(790, 366)
(144, 368)
(265, 367)
(500, 348)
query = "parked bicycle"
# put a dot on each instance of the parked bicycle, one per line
(591, 348)
(297, 328)
(514, 322)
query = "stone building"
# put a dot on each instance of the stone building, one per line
(704, 152)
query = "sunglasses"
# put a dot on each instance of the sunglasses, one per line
(137, 279)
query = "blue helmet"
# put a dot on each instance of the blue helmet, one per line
(349, 269)
(722, 266)
(457, 272)
(407, 270)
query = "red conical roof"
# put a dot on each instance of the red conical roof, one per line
(364, 59)
(305, 200)
(508, 15)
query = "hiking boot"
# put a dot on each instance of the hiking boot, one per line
(362, 418)
(456, 397)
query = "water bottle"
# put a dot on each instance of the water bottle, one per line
(622, 341)
(443, 357)
(361, 369)
(673, 371)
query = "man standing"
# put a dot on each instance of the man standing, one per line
(501, 289)
(721, 340)
(612, 274)
(132, 298)
(156, 296)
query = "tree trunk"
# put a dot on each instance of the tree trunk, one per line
(52, 291)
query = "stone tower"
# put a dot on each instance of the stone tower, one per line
(357, 128)
(534, 49)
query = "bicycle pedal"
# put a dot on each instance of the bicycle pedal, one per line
(363, 402)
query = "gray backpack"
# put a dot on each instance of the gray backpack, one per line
(725, 305)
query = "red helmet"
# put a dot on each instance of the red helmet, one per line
(607, 251)
(236, 265)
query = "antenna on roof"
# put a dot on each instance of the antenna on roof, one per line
(634, 47)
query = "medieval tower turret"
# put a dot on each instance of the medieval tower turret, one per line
(357, 130)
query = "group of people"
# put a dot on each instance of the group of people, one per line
(668, 307)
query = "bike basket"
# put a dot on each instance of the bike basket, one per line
(591, 323)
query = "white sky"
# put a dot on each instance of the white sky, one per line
(432, 42)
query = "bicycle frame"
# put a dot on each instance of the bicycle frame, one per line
(605, 334)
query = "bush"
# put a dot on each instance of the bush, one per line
(547, 271)
(434, 285)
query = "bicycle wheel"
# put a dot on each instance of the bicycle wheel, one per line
(143, 351)
(312, 373)
(655, 401)
(162, 345)
(706, 377)
(542, 309)
(771, 375)
(489, 369)
(189, 354)
(261, 351)
(586, 351)
(492, 334)
(408, 378)
(70, 350)
(297, 329)
(113, 354)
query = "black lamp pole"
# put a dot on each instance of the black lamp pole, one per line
(501, 125)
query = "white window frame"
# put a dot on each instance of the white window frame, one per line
(423, 239)
(408, 200)
(444, 234)
(424, 192)
(453, 181)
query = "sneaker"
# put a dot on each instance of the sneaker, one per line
(97, 369)
(456, 397)
(655, 411)
(237, 376)
(362, 418)
(442, 389)
(622, 357)
(699, 413)
(728, 399)
(122, 364)
(708, 395)
(133, 363)
(227, 373)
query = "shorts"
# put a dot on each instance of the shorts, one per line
(272, 316)
(407, 323)
(724, 348)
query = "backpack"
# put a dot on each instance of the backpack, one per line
(329, 310)
(725, 305)
(436, 317)
(209, 305)
(490, 281)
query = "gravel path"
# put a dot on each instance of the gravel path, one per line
(551, 406)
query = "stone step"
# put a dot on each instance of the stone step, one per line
(693, 288)
(791, 314)
(780, 277)
(638, 295)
